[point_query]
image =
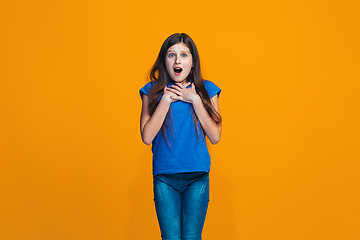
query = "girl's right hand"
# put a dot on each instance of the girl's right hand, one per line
(168, 94)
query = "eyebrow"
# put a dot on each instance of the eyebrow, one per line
(181, 51)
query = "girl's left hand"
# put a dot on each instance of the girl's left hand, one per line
(182, 93)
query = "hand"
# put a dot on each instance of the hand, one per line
(168, 95)
(182, 93)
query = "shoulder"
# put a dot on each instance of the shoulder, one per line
(146, 89)
(149, 85)
(211, 88)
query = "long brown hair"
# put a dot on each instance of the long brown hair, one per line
(159, 78)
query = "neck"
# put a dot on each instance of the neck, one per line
(182, 82)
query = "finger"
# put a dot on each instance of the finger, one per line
(166, 90)
(179, 85)
(192, 86)
(176, 87)
(185, 85)
(177, 92)
(175, 98)
(188, 101)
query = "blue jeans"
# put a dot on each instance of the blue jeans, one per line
(181, 202)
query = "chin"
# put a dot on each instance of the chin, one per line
(178, 80)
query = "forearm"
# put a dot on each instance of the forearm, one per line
(153, 125)
(211, 128)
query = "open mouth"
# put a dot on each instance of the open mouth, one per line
(177, 70)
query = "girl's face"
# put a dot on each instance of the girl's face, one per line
(178, 62)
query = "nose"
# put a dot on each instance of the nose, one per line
(177, 60)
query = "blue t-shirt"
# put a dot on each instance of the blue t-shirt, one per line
(186, 150)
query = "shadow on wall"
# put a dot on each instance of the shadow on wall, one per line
(142, 221)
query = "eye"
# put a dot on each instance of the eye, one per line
(171, 55)
(184, 55)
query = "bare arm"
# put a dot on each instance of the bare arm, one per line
(151, 125)
(211, 128)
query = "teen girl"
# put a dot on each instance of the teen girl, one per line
(179, 109)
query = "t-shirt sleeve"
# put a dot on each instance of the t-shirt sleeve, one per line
(211, 88)
(145, 90)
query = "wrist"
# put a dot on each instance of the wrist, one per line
(166, 100)
(196, 99)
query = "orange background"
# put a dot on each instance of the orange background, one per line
(72, 162)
